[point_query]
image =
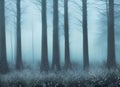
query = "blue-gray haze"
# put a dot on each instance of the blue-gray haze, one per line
(31, 25)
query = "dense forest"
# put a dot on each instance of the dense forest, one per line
(59, 43)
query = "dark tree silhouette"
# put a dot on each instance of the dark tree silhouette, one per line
(3, 58)
(56, 55)
(44, 57)
(111, 63)
(19, 64)
(85, 36)
(66, 30)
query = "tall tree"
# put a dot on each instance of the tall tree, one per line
(85, 36)
(19, 64)
(66, 30)
(56, 55)
(3, 58)
(111, 63)
(44, 57)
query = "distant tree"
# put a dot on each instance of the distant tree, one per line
(44, 57)
(111, 14)
(111, 63)
(66, 30)
(3, 58)
(85, 36)
(56, 55)
(19, 64)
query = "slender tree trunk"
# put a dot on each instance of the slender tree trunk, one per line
(111, 63)
(32, 44)
(3, 58)
(66, 30)
(19, 64)
(85, 37)
(44, 57)
(12, 53)
(56, 55)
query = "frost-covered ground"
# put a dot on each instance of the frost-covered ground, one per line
(70, 78)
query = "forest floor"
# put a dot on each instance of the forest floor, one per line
(69, 78)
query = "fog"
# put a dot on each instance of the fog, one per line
(31, 25)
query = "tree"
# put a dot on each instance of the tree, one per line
(3, 58)
(19, 64)
(44, 57)
(66, 30)
(85, 36)
(111, 13)
(56, 55)
(111, 63)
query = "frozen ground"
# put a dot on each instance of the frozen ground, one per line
(70, 78)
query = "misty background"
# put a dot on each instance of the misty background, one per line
(31, 32)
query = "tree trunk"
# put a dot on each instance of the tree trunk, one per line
(56, 55)
(85, 37)
(3, 58)
(19, 64)
(66, 30)
(44, 57)
(111, 63)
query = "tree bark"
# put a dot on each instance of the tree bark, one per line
(66, 30)
(3, 57)
(56, 55)
(85, 37)
(19, 64)
(44, 57)
(111, 63)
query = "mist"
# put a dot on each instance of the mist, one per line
(31, 24)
